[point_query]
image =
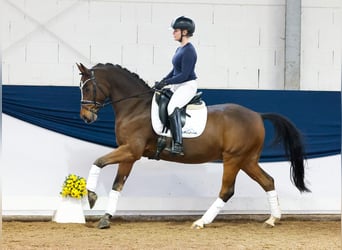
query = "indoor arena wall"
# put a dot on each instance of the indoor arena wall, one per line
(240, 44)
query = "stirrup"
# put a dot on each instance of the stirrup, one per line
(173, 152)
(177, 149)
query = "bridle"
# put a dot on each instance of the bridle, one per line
(98, 105)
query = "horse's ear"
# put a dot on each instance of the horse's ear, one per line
(83, 69)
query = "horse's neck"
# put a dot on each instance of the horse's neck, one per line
(128, 95)
(131, 98)
(132, 109)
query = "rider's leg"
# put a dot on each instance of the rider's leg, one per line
(183, 93)
(176, 131)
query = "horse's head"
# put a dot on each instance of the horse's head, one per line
(93, 93)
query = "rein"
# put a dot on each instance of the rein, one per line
(132, 96)
(101, 105)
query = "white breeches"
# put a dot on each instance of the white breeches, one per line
(182, 94)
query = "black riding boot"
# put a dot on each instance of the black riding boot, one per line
(176, 131)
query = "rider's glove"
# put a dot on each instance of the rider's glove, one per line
(160, 85)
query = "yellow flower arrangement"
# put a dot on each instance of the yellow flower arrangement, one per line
(74, 186)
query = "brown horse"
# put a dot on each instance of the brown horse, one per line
(233, 134)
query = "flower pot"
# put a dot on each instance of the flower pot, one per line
(69, 211)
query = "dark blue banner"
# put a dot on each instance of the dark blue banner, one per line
(317, 114)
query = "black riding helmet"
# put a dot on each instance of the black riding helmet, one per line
(184, 23)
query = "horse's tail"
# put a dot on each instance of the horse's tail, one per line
(289, 135)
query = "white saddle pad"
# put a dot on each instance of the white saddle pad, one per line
(194, 125)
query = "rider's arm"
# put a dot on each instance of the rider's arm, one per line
(170, 75)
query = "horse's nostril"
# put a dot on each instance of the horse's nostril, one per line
(85, 119)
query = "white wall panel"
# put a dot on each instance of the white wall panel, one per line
(102, 12)
(139, 13)
(72, 25)
(269, 78)
(42, 52)
(157, 34)
(259, 58)
(325, 35)
(243, 77)
(321, 45)
(219, 80)
(272, 36)
(329, 78)
(12, 26)
(22, 72)
(227, 14)
(137, 54)
(48, 10)
(15, 55)
(162, 56)
(236, 37)
(103, 52)
(244, 36)
(70, 54)
(37, 73)
(209, 35)
(5, 73)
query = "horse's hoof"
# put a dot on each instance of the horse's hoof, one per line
(198, 224)
(104, 222)
(92, 197)
(267, 225)
(194, 226)
(271, 222)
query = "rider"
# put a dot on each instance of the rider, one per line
(182, 78)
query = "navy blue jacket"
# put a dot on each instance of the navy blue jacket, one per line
(183, 62)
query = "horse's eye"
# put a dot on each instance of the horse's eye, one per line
(86, 90)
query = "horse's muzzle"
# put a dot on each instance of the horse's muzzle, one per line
(88, 116)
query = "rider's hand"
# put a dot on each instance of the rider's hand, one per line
(159, 85)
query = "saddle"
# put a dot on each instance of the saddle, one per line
(163, 98)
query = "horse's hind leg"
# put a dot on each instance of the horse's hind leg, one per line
(230, 171)
(267, 183)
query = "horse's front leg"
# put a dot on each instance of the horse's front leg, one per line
(121, 177)
(121, 154)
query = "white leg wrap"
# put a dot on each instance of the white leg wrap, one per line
(112, 202)
(213, 211)
(273, 202)
(93, 177)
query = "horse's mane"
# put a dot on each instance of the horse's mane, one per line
(110, 65)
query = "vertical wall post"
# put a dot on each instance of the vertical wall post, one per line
(292, 44)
